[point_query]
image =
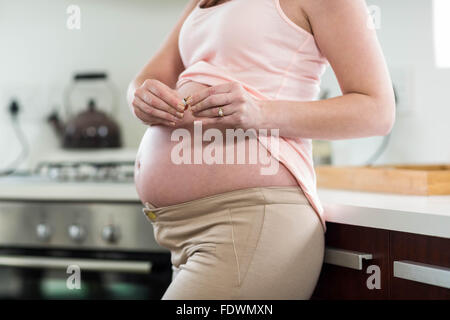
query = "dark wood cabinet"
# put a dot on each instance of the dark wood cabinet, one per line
(338, 282)
(382, 248)
(418, 249)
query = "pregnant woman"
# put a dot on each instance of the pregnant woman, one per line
(236, 228)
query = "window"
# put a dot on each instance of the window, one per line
(441, 20)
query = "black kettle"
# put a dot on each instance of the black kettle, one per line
(91, 128)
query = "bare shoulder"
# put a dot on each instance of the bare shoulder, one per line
(307, 12)
(314, 7)
(326, 4)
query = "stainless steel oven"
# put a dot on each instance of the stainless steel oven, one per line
(73, 250)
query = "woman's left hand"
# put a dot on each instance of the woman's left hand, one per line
(239, 109)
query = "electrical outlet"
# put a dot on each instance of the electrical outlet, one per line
(8, 93)
(31, 98)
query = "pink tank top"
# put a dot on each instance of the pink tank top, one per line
(254, 43)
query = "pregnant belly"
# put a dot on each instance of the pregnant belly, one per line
(162, 180)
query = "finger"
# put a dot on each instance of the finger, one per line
(214, 112)
(165, 93)
(153, 101)
(216, 100)
(141, 115)
(153, 112)
(205, 93)
(145, 118)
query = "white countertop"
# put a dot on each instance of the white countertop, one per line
(428, 215)
(36, 189)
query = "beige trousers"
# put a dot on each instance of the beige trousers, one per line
(256, 243)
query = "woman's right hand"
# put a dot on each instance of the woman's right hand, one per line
(154, 103)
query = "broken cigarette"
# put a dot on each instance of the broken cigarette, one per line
(186, 102)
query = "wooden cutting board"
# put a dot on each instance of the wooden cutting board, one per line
(400, 179)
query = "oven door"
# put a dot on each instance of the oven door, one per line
(93, 276)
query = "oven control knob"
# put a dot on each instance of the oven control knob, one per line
(43, 232)
(110, 233)
(76, 232)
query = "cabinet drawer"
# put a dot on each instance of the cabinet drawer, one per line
(341, 280)
(421, 265)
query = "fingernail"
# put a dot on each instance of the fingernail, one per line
(181, 106)
(180, 115)
(173, 124)
(188, 99)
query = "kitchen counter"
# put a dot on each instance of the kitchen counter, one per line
(427, 215)
(37, 189)
(415, 214)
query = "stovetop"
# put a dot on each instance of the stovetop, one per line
(72, 181)
(86, 171)
(76, 172)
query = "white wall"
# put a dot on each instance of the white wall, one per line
(38, 56)
(422, 130)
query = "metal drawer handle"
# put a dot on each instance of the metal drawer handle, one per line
(423, 273)
(345, 258)
(139, 267)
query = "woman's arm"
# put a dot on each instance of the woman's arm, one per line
(151, 94)
(367, 106)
